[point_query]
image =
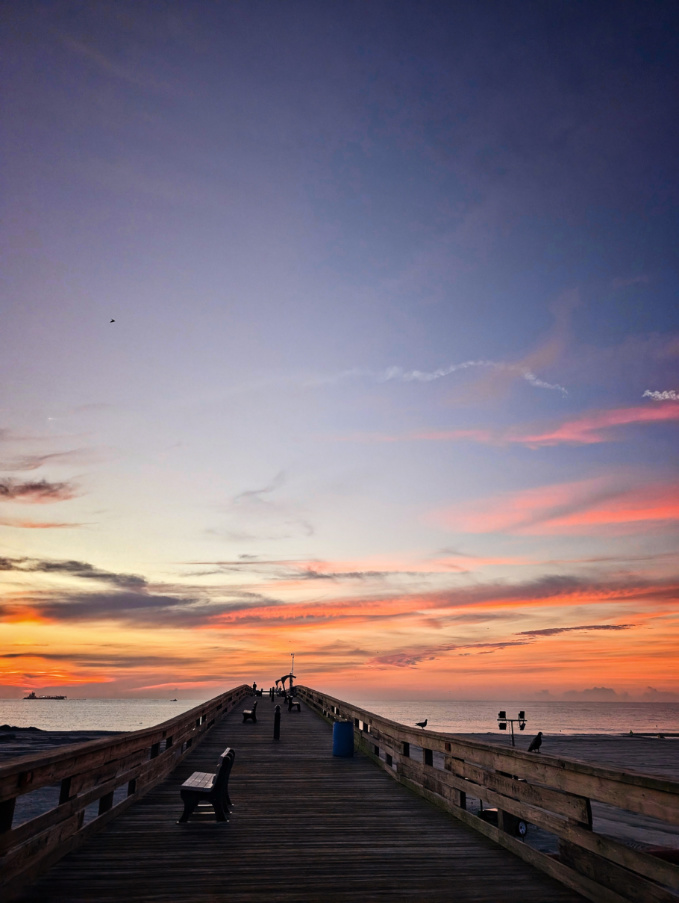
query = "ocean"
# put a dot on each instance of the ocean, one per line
(446, 716)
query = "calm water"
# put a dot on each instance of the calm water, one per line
(91, 714)
(451, 717)
(548, 717)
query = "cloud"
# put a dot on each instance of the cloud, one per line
(269, 515)
(101, 658)
(412, 657)
(145, 609)
(37, 525)
(250, 495)
(550, 591)
(568, 508)
(72, 568)
(33, 462)
(596, 694)
(592, 428)
(666, 395)
(552, 631)
(399, 375)
(653, 695)
(36, 491)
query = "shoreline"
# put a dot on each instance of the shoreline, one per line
(25, 741)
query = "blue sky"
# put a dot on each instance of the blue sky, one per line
(392, 381)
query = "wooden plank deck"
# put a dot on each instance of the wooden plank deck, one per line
(306, 826)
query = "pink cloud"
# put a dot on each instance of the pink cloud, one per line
(587, 429)
(595, 427)
(578, 507)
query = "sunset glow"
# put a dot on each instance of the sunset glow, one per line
(348, 331)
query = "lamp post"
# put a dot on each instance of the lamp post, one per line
(502, 721)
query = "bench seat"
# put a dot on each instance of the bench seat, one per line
(206, 787)
(250, 714)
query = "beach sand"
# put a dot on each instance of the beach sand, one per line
(24, 741)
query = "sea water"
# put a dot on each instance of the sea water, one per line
(548, 717)
(96, 714)
(446, 716)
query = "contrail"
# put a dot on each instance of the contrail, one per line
(396, 374)
(407, 376)
(667, 395)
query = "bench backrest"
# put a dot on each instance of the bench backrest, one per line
(222, 782)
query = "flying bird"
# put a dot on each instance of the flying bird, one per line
(421, 724)
(112, 321)
(536, 743)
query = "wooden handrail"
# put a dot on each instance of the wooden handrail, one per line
(552, 793)
(91, 773)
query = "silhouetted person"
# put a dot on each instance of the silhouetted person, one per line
(422, 724)
(536, 743)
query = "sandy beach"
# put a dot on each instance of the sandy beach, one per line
(24, 741)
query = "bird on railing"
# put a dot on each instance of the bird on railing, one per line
(536, 743)
(422, 724)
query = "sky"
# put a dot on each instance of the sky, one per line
(341, 329)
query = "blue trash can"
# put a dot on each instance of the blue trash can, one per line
(343, 738)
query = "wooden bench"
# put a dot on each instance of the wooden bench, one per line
(294, 704)
(250, 714)
(204, 787)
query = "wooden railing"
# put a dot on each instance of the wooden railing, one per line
(551, 793)
(90, 783)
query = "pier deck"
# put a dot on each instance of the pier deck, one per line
(306, 826)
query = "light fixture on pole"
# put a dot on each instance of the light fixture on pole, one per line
(502, 722)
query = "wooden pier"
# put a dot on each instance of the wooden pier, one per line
(305, 826)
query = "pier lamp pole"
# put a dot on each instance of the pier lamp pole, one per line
(502, 722)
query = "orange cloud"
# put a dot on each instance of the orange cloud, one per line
(548, 592)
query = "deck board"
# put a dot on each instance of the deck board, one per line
(306, 826)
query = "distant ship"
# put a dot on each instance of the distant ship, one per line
(33, 696)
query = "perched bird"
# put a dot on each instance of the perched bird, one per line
(422, 724)
(536, 743)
